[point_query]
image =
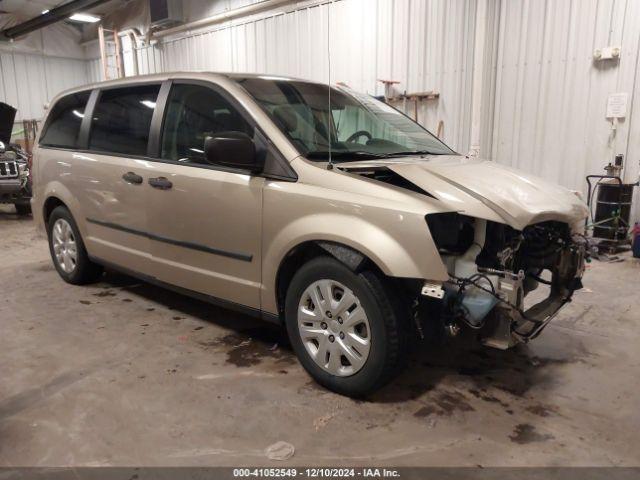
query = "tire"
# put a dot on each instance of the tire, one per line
(22, 209)
(385, 322)
(82, 270)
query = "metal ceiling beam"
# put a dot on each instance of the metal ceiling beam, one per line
(52, 16)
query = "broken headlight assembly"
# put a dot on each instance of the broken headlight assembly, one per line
(493, 267)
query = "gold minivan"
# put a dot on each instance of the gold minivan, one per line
(316, 207)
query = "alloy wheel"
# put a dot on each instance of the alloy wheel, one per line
(334, 327)
(64, 245)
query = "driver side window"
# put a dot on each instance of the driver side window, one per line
(193, 113)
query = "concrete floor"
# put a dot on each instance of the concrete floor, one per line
(123, 373)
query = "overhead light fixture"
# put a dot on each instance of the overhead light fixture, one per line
(84, 17)
(44, 12)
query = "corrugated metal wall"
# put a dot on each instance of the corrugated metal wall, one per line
(424, 44)
(550, 96)
(29, 81)
(543, 101)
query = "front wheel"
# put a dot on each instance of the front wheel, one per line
(348, 329)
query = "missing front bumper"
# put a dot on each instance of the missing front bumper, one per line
(507, 324)
(506, 328)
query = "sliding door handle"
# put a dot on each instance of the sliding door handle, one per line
(131, 177)
(161, 183)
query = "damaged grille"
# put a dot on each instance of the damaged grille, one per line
(492, 268)
(8, 169)
(535, 248)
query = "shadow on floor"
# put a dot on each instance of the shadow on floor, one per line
(266, 339)
(489, 370)
(512, 371)
(184, 304)
(7, 212)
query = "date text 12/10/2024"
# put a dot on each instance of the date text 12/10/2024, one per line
(315, 473)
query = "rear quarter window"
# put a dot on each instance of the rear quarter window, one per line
(63, 124)
(122, 119)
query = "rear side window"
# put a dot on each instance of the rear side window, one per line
(63, 124)
(122, 118)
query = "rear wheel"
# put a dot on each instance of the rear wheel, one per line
(347, 329)
(68, 251)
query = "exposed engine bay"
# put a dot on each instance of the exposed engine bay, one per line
(493, 267)
(14, 174)
(15, 182)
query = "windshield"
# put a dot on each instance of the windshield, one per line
(356, 126)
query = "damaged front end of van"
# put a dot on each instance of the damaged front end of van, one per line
(494, 267)
(503, 236)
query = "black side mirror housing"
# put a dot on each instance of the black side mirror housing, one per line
(233, 150)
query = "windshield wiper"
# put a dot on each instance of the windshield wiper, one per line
(413, 152)
(343, 155)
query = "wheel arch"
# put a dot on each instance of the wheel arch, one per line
(305, 251)
(49, 205)
(398, 245)
(56, 194)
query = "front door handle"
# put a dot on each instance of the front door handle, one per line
(131, 177)
(160, 182)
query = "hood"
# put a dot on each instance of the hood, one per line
(7, 116)
(484, 189)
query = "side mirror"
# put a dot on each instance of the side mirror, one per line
(232, 149)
